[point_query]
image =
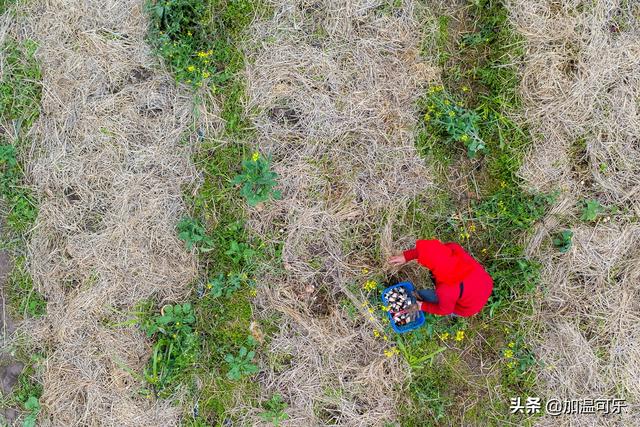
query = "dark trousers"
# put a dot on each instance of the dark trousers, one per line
(428, 295)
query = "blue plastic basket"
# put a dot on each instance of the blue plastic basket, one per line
(409, 326)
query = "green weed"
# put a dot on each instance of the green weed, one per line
(590, 210)
(562, 240)
(257, 180)
(197, 37)
(225, 286)
(241, 365)
(194, 235)
(175, 349)
(274, 410)
(447, 117)
(240, 253)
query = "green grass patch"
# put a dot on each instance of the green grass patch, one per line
(199, 41)
(20, 94)
(471, 122)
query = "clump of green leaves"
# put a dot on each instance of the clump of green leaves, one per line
(225, 286)
(274, 410)
(241, 365)
(194, 235)
(511, 277)
(257, 180)
(590, 210)
(239, 252)
(562, 241)
(32, 406)
(448, 117)
(176, 345)
(196, 37)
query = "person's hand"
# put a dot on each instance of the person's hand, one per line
(397, 260)
(414, 308)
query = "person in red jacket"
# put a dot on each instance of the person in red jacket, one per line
(462, 286)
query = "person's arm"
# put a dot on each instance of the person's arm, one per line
(410, 254)
(447, 298)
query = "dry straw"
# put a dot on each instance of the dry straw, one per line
(581, 83)
(335, 85)
(108, 169)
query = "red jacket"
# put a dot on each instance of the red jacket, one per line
(452, 265)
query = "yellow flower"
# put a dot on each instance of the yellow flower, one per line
(255, 156)
(444, 336)
(189, 33)
(465, 235)
(472, 228)
(369, 285)
(485, 250)
(439, 88)
(206, 74)
(384, 308)
(452, 113)
(203, 54)
(511, 364)
(512, 344)
(191, 68)
(370, 310)
(459, 335)
(447, 102)
(464, 138)
(376, 333)
(177, 323)
(365, 270)
(427, 117)
(391, 352)
(209, 286)
(508, 354)
(459, 104)
(386, 338)
(465, 88)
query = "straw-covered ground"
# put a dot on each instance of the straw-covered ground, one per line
(581, 84)
(107, 167)
(335, 85)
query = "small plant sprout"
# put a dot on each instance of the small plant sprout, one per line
(590, 210)
(274, 410)
(257, 180)
(562, 241)
(194, 235)
(241, 365)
